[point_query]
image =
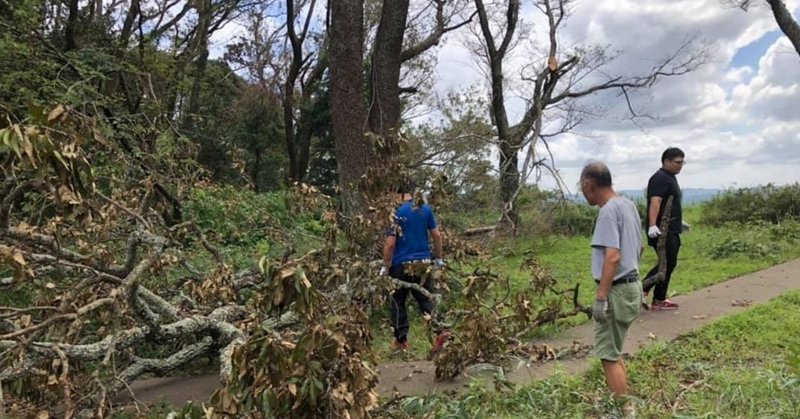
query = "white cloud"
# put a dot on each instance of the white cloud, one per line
(738, 126)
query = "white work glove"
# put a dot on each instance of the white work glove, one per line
(653, 232)
(384, 271)
(439, 263)
(600, 310)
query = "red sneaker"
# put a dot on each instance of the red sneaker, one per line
(664, 305)
(440, 341)
(399, 346)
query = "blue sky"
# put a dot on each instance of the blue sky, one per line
(751, 53)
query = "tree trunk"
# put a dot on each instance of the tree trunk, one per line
(288, 127)
(509, 139)
(288, 92)
(785, 21)
(204, 21)
(354, 153)
(384, 105)
(303, 140)
(509, 183)
(256, 171)
(70, 31)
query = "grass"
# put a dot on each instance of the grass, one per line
(708, 255)
(743, 366)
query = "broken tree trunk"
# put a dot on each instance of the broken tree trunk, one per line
(661, 249)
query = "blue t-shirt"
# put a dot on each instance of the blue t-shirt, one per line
(411, 228)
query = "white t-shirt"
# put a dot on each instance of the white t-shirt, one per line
(618, 225)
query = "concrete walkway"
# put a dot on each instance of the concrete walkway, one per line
(697, 308)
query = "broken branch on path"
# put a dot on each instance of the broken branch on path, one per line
(661, 249)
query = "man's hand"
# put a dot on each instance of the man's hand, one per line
(384, 271)
(653, 232)
(439, 263)
(600, 310)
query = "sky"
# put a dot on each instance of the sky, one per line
(736, 117)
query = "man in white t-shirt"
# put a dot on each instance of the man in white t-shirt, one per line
(616, 249)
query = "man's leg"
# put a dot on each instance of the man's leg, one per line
(425, 303)
(436, 319)
(616, 377)
(398, 307)
(672, 247)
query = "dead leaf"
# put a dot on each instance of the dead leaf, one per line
(55, 113)
(18, 258)
(651, 335)
(293, 389)
(744, 302)
(699, 317)
(49, 285)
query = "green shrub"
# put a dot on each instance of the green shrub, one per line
(572, 219)
(770, 203)
(734, 247)
(235, 216)
(244, 217)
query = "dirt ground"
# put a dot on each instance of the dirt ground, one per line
(417, 377)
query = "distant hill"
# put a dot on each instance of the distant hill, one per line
(690, 195)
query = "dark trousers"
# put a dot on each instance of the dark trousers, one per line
(398, 303)
(673, 245)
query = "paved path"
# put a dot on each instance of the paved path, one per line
(417, 377)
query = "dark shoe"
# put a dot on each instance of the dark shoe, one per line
(664, 305)
(440, 341)
(400, 346)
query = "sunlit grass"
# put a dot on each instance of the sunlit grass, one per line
(568, 258)
(742, 366)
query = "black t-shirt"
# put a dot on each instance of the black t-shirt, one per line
(663, 184)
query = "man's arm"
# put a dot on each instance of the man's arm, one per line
(652, 214)
(388, 250)
(610, 265)
(436, 235)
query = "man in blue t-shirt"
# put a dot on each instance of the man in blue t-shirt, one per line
(407, 244)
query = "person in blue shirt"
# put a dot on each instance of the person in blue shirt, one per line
(407, 244)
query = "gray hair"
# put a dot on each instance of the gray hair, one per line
(598, 173)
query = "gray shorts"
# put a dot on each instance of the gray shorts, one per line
(624, 302)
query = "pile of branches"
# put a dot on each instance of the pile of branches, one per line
(315, 359)
(88, 226)
(493, 318)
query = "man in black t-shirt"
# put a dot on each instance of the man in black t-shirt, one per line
(661, 186)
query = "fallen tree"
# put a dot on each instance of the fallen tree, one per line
(102, 288)
(81, 320)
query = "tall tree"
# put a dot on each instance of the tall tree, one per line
(352, 119)
(309, 73)
(783, 17)
(392, 49)
(559, 79)
(384, 106)
(354, 153)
